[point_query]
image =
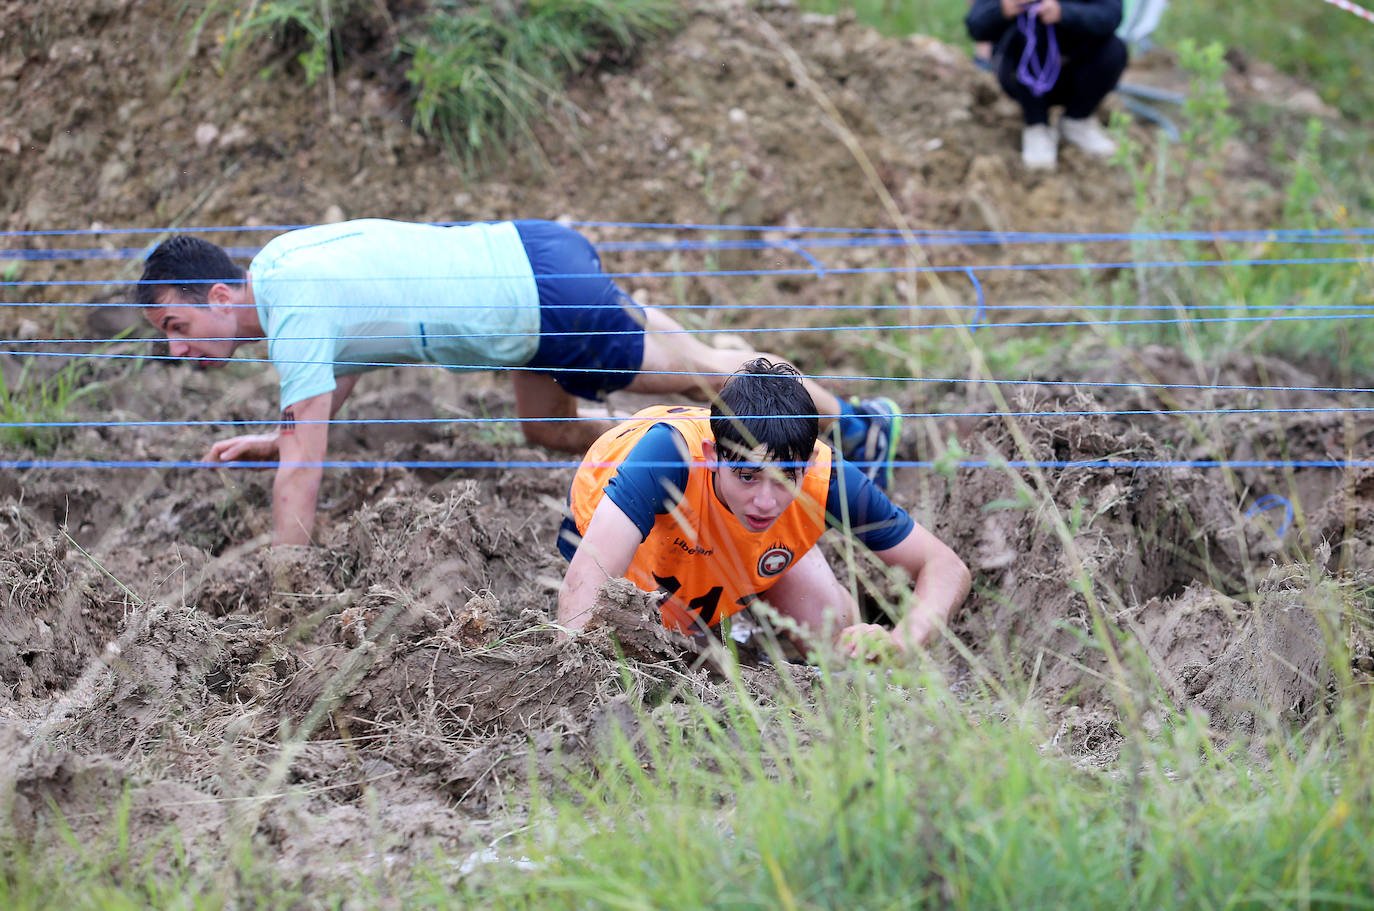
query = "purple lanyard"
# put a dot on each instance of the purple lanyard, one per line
(1037, 75)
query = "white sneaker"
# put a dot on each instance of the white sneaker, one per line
(1088, 135)
(1039, 147)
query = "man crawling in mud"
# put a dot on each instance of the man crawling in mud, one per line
(334, 301)
(719, 509)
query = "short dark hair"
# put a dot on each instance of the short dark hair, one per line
(187, 265)
(765, 404)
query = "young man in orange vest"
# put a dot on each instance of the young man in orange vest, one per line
(719, 509)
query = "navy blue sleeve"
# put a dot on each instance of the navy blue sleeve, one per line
(652, 477)
(985, 20)
(873, 518)
(1090, 18)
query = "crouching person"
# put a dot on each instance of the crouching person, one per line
(719, 509)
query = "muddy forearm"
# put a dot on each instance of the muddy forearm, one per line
(578, 593)
(941, 587)
(301, 445)
(605, 552)
(294, 494)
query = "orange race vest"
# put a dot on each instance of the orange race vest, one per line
(708, 563)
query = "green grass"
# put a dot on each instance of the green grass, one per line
(891, 792)
(943, 19)
(311, 28)
(481, 75)
(880, 789)
(1322, 45)
(1241, 303)
(41, 400)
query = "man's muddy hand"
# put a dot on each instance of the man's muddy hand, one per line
(251, 447)
(869, 642)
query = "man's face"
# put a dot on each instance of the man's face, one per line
(756, 491)
(202, 334)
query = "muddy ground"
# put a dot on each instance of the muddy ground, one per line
(384, 694)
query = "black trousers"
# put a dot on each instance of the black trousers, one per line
(1085, 77)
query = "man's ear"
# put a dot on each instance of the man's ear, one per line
(221, 296)
(708, 449)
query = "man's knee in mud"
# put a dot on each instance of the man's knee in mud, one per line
(562, 436)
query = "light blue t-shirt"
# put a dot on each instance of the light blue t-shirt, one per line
(351, 297)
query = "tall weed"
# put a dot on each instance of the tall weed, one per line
(1316, 42)
(1267, 294)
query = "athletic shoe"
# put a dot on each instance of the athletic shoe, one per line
(878, 446)
(1088, 135)
(1039, 147)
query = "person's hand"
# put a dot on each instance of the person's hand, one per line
(1013, 8)
(869, 642)
(1049, 12)
(251, 447)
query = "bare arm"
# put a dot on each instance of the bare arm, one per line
(606, 551)
(302, 437)
(940, 584)
(264, 445)
(343, 385)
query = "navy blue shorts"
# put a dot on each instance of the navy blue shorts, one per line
(591, 334)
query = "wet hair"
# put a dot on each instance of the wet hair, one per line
(765, 403)
(188, 266)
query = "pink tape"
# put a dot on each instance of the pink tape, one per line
(1349, 7)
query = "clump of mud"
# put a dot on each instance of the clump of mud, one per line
(630, 617)
(390, 642)
(1249, 666)
(1080, 564)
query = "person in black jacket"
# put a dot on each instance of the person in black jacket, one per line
(1054, 52)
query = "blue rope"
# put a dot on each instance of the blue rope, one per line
(1065, 464)
(917, 415)
(924, 308)
(870, 270)
(916, 327)
(980, 312)
(1247, 234)
(935, 239)
(802, 252)
(820, 377)
(1272, 501)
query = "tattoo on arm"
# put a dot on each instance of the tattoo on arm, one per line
(288, 421)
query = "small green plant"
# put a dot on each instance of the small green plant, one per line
(1316, 42)
(309, 28)
(1235, 300)
(1175, 186)
(485, 73)
(481, 74)
(720, 195)
(41, 401)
